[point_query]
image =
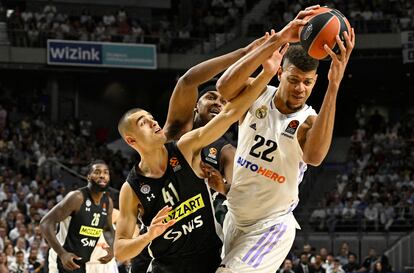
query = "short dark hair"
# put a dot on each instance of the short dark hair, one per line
(297, 56)
(352, 254)
(124, 120)
(94, 162)
(206, 87)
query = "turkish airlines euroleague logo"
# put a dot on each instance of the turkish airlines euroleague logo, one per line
(293, 125)
(175, 164)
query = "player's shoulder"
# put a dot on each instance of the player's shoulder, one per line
(75, 196)
(128, 194)
(72, 201)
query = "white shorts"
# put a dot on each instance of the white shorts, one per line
(97, 267)
(261, 248)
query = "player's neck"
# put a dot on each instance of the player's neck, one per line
(153, 163)
(96, 195)
(198, 122)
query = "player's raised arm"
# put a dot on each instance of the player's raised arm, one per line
(236, 76)
(318, 135)
(184, 97)
(191, 143)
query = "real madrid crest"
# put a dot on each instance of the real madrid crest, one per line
(261, 112)
(145, 189)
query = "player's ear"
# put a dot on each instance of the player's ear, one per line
(130, 140)
(279, 73)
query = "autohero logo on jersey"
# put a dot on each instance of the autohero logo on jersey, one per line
(272, 175)
(185, 209)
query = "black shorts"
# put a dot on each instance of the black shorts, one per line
(140, 263)
(204, 262)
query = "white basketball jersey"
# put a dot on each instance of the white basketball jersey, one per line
(268, 165)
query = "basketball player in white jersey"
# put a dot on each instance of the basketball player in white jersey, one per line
(278, 137)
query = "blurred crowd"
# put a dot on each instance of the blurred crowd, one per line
(198, 25)
(309, 260)
(379, 16)
(376, 192)
(175, 29)
(30, 179)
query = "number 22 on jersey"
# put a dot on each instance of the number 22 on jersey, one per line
(264, 154)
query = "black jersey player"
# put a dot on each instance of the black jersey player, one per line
(83, 215)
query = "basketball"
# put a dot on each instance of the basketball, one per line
(322, 28)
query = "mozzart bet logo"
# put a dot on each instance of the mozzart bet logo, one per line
(90, 231)
(185, 209)
(64, 52)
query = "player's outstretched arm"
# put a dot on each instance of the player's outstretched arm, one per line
(232, 81)
(316, 136)
(71, 203)
(191, 143)
(184, 97)
(127, 246)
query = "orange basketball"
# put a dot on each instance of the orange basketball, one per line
(321, 29)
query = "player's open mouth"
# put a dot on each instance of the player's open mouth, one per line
(158, 130)
(102, 183)
(214, 111)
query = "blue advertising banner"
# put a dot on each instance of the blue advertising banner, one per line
(79, 53)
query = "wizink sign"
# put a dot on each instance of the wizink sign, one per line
(69, 52)
(80, 53)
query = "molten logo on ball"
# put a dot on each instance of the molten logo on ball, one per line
(323, 26)
(308, 32)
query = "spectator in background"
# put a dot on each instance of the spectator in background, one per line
(318, 265)
(323, 252)
(387, 216)
(307, 249)
(336, 268)
(3, 263)
(286, 267)
(379, 268)
(370, 217)
(9, 251)
(19, 265)
(368, 263)
(352, 264)
(34, 264)
(348, 220)
(329, 262)
(20, 246)
(318, 217)
(343, 253)
(303, 266)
